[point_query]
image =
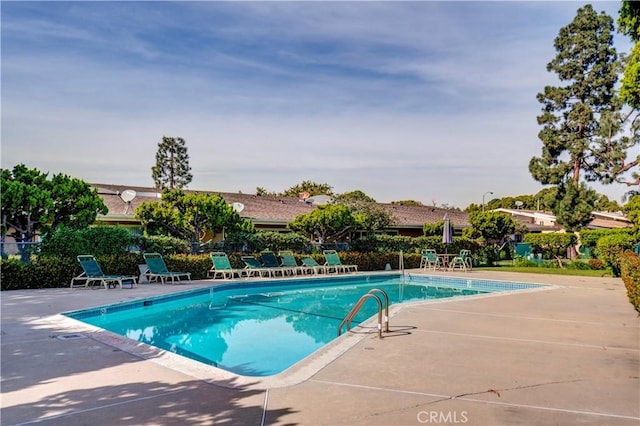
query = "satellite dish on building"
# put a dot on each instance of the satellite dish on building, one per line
(238, 207)
(128, 195)
(519, 204)
(319, 199)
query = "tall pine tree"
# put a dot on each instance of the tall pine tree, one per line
(172, 169)
(572, 114)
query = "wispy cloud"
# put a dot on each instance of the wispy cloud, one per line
(417, 100)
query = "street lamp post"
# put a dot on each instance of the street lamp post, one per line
(483, 195)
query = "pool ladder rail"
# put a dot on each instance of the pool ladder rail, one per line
(360, 303)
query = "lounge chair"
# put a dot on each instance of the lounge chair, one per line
(93, 273)
(270, 260)
(255, 268)
(222, 267)
(429, 259)
(333, 263)
(312, 266)
(461, 261)
(289, 261)
(158, 270)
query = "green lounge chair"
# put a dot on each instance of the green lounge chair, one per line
(255, 268)
(158, 270)
(270, 260)
(289, 261)
(313, 266)
(429, 259)
(333, 263)
(462, 261)
(222, 267)
(93, 273)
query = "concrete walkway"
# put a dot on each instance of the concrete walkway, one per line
(566, 355)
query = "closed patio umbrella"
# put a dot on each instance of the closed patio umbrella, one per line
(447, 237)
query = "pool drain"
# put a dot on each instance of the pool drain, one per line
(70, 336)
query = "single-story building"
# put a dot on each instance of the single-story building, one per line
(269, 212)
(272, 213)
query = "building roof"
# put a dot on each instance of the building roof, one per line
(270, 209)
(547, 220)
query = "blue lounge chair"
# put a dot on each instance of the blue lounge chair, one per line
(93, 273)
(222, 267)
(255, 268)
(158, 270)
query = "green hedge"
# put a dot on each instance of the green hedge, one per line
(630, 271)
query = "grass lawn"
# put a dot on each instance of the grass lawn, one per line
(548, 271)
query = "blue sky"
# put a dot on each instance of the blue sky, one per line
(430, 101)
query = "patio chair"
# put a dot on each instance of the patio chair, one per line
(312, 266)
(333, 262)
(93, 273)
(270, 260)
(222, 267)
(429, 259)
(289, 261)
(255, 268)
(461, 261)
(158, 270)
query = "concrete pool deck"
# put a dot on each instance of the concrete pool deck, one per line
(566, 355)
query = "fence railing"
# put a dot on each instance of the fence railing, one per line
(20, 250)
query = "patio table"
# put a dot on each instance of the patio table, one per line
(445, 259)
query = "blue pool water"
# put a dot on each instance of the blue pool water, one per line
(261, 328)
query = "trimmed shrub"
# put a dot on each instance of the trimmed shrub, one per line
(596, 264)
(611, 247)
(161, 244)
(69, 243)
(590, 237)
(630, 272)
(551, 244)
(43, 272)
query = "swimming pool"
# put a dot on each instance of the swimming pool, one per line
(261, 328)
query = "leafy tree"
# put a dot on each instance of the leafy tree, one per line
(310, 187)
(629, 24)
(172, 169)
(577, 116)
(407, 203)
(604, 204)
(32, 204)
(629, 19)
(370, 216)
(188, 216)
(260, 191)
(494, 227)
(330, 221)
(433, 229)
(632, 210)
(353, 196)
